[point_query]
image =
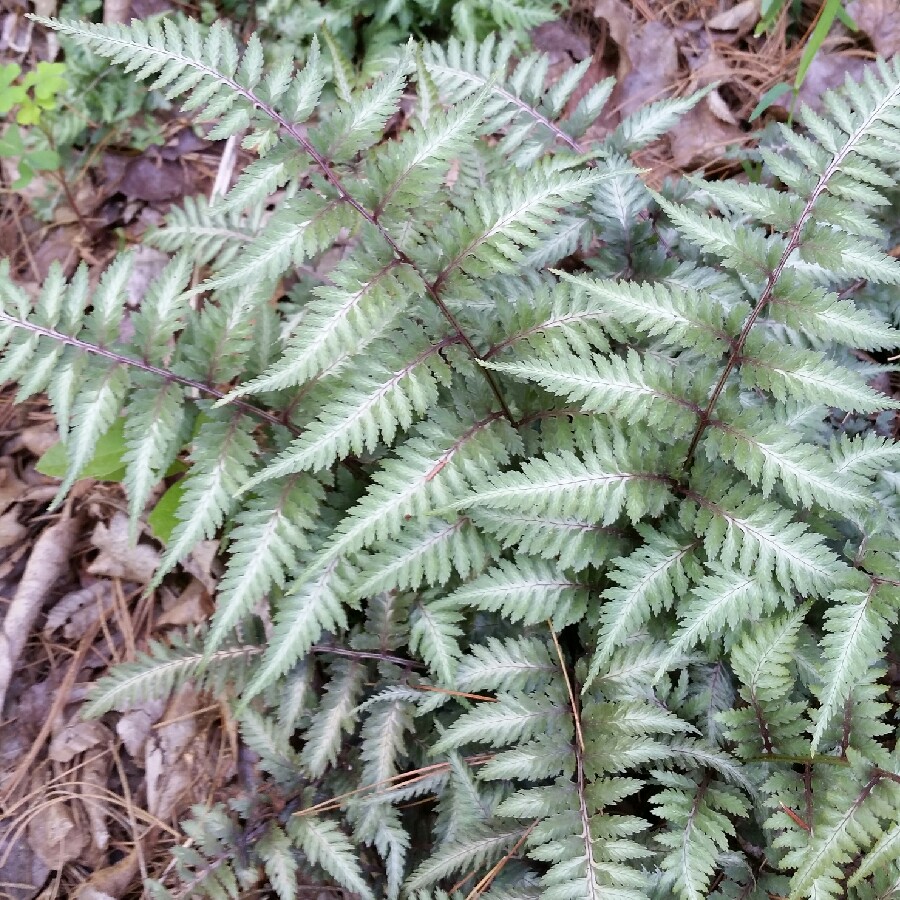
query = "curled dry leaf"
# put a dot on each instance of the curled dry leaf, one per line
(192, 607)
(171, 756)
(118, 557)
(741, 17)
(110, 881)
(94, 776)
(54, 834)
(11, 489)
(48, 561)
(38, 439)
(78, 610)
(203, 565)
(11, 530)
(653, 57)
(76, 737)
(701, 136)
(22, 871)
(879, 20)
(134, 727)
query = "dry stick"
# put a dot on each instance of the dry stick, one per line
(766, 296)
(562, 664)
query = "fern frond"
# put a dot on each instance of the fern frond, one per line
(325, 845)
(264, 547)
(528, 591)
(163, 669)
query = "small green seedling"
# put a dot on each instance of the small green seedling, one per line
(30, 95)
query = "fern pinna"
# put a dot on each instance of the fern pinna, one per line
(561, 515)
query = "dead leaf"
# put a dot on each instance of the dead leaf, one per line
(879, 20)
(168, 762)
(827, 70)
(116, 12)
(700, 137)
(653, 57)
(719, 108)
(94, 776)
(152, 180)
(53, 833)
(22, 872)
(79, 609)
(134, 727)
(118, 557)
(49, 560)
(559, 36)
(148, 263)
(203, 564)
(11, 489)
(76, 737)
(38, 439)
(741, 17)
(11, 531)
(191, 608)
(110, 881)
(621, 24)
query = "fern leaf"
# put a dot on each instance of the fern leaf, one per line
(595, 488)
(433, 636)
(361, 410)
(264, 547)
(327, 846)
(517, 665)
(635, 388)
(310, 606)
(429, 556)
(857, 624)
(223, 455)
(761, 537)
(527, 591)
(335, 715)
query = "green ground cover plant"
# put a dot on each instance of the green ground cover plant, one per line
(560, 515)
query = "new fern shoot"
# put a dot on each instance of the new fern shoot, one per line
(570, 504)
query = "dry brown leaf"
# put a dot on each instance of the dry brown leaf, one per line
(168, 761)
(76, 737)
(653, 56)
(78, 610)
(621, 24)
(116, 12)
(880, 21)
(741, 17)
(94, 776)
(11, 530)
(110, 881)
(118, 557)
(700, 137)
(827, 70)
(191, 608)
(203, 565)
(22, 872)
(54, 835)
(11, 489)
(38, 439)
(48, 561)
(559, 36)
(134, 727)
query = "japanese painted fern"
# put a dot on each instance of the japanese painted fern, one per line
(570, 506)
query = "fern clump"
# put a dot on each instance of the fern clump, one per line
(569, 503)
